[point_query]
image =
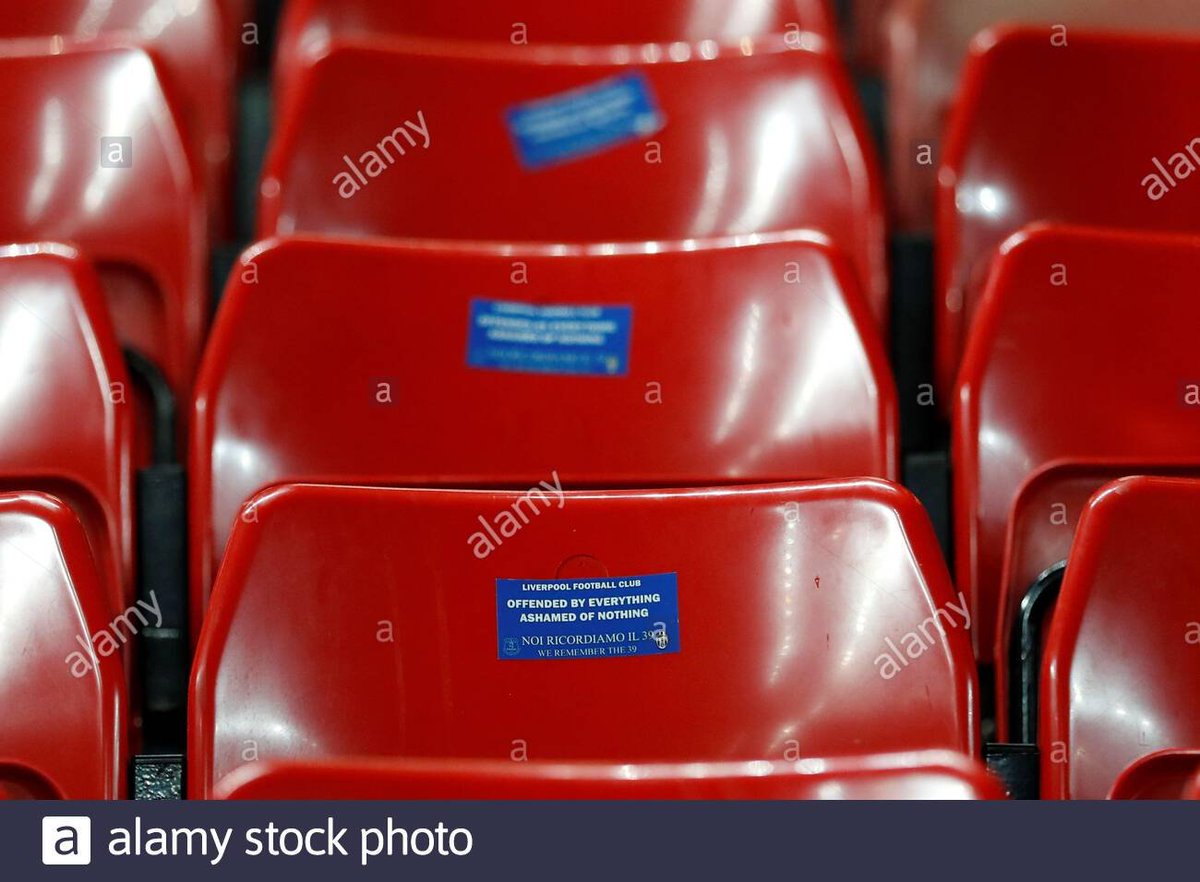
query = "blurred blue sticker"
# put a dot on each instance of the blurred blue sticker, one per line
(584, 121)
(555, 339)
(587, 618)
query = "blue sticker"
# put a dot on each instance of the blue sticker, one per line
(584, 121)
(587, 618)
(588, 340)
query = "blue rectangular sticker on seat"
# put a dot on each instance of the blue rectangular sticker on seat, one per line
(587, 618)
(584, 121)
(577, 340)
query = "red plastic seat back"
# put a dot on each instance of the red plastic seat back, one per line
(65, 401)
(309, 26)
(192, 41)
(354, 621)
(749, 143)
(19, 781)
(62, 730)
(1049, 378)
(1122, 661)
(1076, 134)
(142, 225)
(922, 775)
(926, 49)
(1167, 774)
(745, 364)
(1041, 527)
(547, 22)
(237, 10)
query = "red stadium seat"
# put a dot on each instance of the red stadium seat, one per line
(926, 48)
(736, 139)
(191, 41)
(357, 621)
(1167, 774)
(1041, 527)
(922, 775)
(62, 728)
(1123, 654)
(309, 27)
(1051, 395)
(772, 372)
(1082, 134)
(142, 225)
(64, 413)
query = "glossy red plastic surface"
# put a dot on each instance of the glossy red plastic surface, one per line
(142, 226)
(63, 702)
(759, 379)
(1059, 134)
(191, 39)
(65, 429)
(548, 21)
(926, 49)
(868, 21)
(237, 10)
(921, 775)
(1167, 774)
(19, 781)
(759, 136)
(1192, 790)
(1041, 527)
(788, 596)
(309, 26)
(240, 12)
(1122, 660)
(1047, 380)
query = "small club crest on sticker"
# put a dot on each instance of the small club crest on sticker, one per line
(660, 636)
